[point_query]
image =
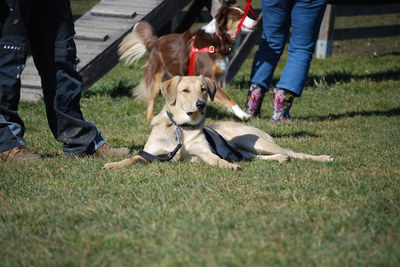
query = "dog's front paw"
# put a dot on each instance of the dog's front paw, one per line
(284, 159)
(225, 164)
(324, 158)
(124, 163)
(235, 167)
(246, 117)
(110, 165)
(238, 112)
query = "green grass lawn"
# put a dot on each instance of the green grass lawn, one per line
(70, 212)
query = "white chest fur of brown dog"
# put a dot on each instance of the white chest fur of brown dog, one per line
(184, 111)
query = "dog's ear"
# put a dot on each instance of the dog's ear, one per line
(169, 89)
(211, 86)
(221, 15)
(221, 19)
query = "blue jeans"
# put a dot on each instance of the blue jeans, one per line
(304, 17)
(47, 27)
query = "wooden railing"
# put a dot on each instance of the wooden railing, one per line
(328, 32)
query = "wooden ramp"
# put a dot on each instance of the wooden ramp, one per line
(98, 33)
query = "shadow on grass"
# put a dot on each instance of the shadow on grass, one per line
(243, 83)
(123, 89)
(335, 77)
(393, 53)
(301, 134)
(345, 77)
(134, 149)
(333, 117)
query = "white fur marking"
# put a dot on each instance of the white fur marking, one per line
(210, 27)
(240, 113)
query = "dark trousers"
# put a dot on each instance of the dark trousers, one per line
(46, 26)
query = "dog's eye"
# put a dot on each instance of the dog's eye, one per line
(203, 89)
(186, 91)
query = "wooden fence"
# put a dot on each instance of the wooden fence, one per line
(328, 33)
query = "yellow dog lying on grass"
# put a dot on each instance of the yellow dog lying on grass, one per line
(179, 132)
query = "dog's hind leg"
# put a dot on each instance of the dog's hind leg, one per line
(264, 146)
(278, 157)
(125, 162)
(225, 100)
(154, 89)
(211, 159)
(320, 158)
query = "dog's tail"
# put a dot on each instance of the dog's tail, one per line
(137, 42)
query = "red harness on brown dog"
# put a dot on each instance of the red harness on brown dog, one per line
(211, 49)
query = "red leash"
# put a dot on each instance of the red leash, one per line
(246, 11)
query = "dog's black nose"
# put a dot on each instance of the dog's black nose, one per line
(200, 104)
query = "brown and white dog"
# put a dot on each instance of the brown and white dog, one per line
(179, 132)
(171, 54)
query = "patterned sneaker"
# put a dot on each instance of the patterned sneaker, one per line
(255, 98)
(18, 154)
(283, 101)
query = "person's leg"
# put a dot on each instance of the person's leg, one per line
(276, 25)
(13, 53)
(306, 20)
(283, 101)
(51, 35)
(14, 15)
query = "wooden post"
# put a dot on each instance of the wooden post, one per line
(243, 51)
(324, 44)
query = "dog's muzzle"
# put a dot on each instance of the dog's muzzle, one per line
(249, 25)
(201, 105)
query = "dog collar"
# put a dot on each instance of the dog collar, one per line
(151, 157)
(184, 125)
(171, 155)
